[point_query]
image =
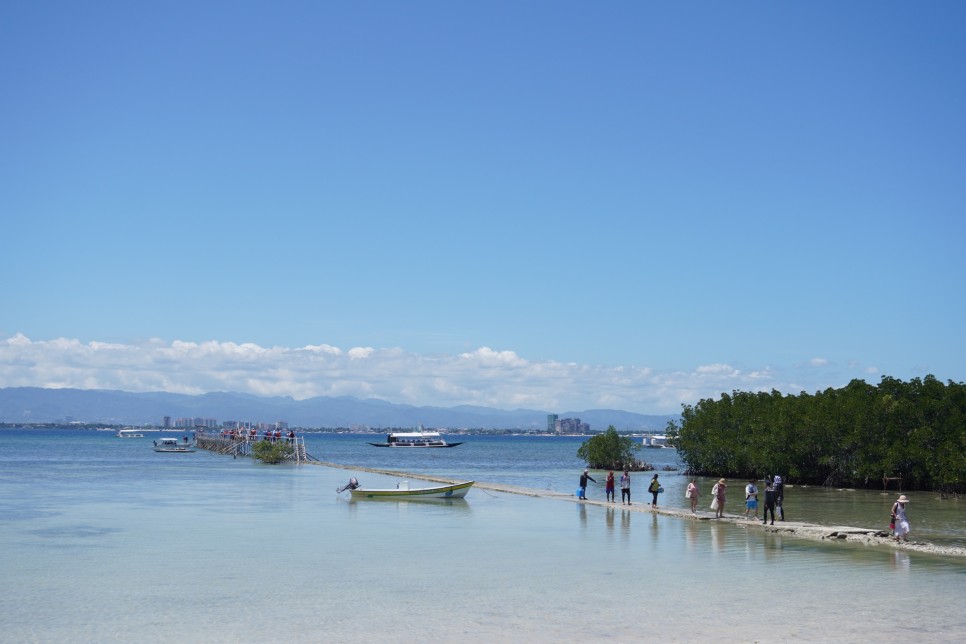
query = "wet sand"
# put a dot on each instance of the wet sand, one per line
(825, 533)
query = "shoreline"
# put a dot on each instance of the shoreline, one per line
(814, 532)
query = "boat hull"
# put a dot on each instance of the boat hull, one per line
(415, 445)
(456, 491)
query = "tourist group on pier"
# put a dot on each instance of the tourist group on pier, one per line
(271, 435)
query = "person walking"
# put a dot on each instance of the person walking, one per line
(751, 499)
(626, 487)
(609, 487)
(769, 500)
(780, 496)
(693, 493)
(900, 519)
(654, 488)
(582, 490)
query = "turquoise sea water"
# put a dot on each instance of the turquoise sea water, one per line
(102, 539)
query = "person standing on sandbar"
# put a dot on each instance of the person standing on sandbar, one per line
(654, 488)
(780, 496)
(626, 487)
(719, 492)
(582, 490)
(769, 500)
(751, 498)
(609, 487)
(693, 493)
(899, 518)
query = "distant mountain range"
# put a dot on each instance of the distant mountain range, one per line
(38, 405)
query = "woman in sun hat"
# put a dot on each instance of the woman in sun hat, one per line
(899, 518)
(719, 492)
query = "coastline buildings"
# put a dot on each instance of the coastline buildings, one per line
(569, 425)
(212, 423)
(190, 423)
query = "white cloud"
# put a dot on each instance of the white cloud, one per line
(818, 362)
(360, 353)
(487, 377)
(717, 370)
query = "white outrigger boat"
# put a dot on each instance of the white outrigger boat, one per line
(403, 492)
(415, 439)
(172, 445)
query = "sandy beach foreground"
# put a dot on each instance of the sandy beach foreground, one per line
(826, 533)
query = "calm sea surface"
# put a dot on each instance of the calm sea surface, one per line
(102, 539)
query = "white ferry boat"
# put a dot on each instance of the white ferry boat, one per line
(420, 439)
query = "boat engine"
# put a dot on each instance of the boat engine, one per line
(351, 485)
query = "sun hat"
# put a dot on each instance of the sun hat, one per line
(902, 499)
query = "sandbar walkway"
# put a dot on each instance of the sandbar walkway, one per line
(829, 534)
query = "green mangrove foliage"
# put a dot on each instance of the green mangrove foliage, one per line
(855, 436)
(272, 451)
(609, 451)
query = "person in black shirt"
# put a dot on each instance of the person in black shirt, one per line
(582, 490)
(770, 497)
(780, 497)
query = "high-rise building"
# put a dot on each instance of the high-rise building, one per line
(552, 422)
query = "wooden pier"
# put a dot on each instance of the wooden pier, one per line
(242, 446)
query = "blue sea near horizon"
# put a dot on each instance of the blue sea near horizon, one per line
(104, 539)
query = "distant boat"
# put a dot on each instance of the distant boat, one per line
(655, 440)
(129, 433)
(172, 445)
(403, 492)
(420, 439)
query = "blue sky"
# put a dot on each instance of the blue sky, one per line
(555, 205)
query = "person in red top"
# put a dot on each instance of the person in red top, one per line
(609, 487)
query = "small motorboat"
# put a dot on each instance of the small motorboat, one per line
(403, 492)
(172, 445)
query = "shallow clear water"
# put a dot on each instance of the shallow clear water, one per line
(103, 539)
(551, 463)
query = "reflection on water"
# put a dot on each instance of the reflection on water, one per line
(901, 561)
(626, 522)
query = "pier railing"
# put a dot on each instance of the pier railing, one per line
(242, 445)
